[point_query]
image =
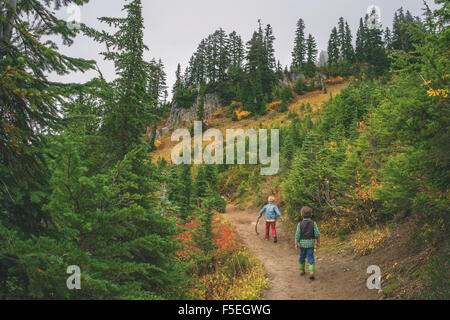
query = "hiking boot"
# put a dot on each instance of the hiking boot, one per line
(275, 240)
(302, 272)
(267, 239)
(311, 277)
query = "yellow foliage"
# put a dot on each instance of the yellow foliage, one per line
(332, 146)
(273, 105)
(439, 92)
(364, 242)
(157, 143)
(242, 114)
(218, 113)
(247, 285)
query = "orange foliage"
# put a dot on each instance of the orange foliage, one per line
(334, 80)
(225, 239)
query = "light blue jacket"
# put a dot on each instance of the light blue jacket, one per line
(271, 212)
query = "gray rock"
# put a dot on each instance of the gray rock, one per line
(180, 116)
(164, 131)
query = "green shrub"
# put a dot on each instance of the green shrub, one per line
(300, 87)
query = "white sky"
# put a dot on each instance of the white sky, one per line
(173, 28)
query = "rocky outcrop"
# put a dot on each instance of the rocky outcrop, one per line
(291, 78)
(180, 116)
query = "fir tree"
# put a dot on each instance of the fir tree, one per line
(311, 53)
(128, 115)
(360, 42)
(333, 47)
(348, 52)
(299, 52)
(388, 40)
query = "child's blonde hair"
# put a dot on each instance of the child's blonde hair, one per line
(271, 199)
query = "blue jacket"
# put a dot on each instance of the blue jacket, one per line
(271, 212)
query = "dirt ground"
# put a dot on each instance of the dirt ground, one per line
(339, 275)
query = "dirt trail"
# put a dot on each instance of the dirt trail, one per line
(338, 276)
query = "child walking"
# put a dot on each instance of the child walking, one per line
(272, 212)
(305, 238)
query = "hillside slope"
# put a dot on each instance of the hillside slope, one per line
(221, 122)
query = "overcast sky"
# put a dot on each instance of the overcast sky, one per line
(173, 28)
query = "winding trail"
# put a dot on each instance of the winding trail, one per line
(338, 276)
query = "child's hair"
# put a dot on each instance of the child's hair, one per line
(271, 199)
(306, 212)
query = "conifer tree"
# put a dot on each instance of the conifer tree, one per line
(388, 40)
(178, 80)
(299, 52)
(341, 36)
(360, 42)
(348, 52)
(28, 100)
(333, 47)
(128, 115)
(186, 192)
(311, 53)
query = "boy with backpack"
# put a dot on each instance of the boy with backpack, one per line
(272, 212)
(305, 239)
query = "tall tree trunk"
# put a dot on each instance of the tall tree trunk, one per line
(7, 7)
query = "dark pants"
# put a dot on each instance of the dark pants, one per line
(271, 224)
(307, 253)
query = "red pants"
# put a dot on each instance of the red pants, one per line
(271, 224)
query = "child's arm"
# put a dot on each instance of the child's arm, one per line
(278, 212)
(261, 211)
(297, 236)
(317, 234)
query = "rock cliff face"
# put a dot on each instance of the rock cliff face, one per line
(180, 116)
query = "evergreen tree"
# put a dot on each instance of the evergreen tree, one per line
(348, 52)
(224, 56)
(128, 114)
(157, 82)
(341, 36)
(333, 47)
(178, 81)
(299, 52)
(28, 100)
(236, 50)
(360, 42)
(311, 53)
(186, 185)
(29, 112)
(388, 40)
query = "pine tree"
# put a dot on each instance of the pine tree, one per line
(29, 102)
(299, 52)
(388, 40)
(360, 42)
(311, 53)
(224, 56)
(333, 47)
(236, 50)
(348, 52)
(157, 82)
(341, 36)
(178, 81)
(128, 115)
(186, 182)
